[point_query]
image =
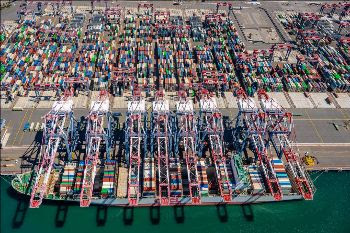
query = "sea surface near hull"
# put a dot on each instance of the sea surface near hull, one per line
(238, 200)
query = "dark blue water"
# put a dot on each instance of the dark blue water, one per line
(328, 212)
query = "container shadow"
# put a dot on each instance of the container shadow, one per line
(154, 214)
(61, 214)
(247, 212)
(179, 213)
(128, 215)
(101, 216)
(221, 211)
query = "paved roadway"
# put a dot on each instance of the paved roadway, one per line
(313, 128)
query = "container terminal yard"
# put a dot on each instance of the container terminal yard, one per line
(173, 103)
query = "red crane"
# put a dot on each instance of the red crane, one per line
(135, 138)
(286, 47)
(211, 130)
(95, 135)
(186, 133)
(254, 123)
(161, 142)
(145, 5)
(279, 127)
(54, 134)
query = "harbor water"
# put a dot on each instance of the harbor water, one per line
(328, 212)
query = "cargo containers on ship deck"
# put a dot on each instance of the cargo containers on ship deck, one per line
(257, 183)
(203, 177)
(53, 179)
(108, 180)
(149, 178)
(122, 186)
(282, 176)
(176, 186)
(67, 179)
(78, 182)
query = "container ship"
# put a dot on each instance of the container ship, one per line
(168, 157)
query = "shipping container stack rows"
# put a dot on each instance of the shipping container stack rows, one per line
(167, 51)
(323, 51)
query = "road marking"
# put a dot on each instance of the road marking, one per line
(321, 144)
(19, 128)
(30, 116)
(344, 114)
(319, 119)
(313, 125)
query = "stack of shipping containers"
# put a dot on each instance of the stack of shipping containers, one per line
(145, 48)
(149, 178)
(79, 176)
(122, 186)
(257, 184)
(108, 181)
(282, 176)
(175, 177)
(203, 178)
(67, 179)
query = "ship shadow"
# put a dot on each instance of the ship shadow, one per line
(154, 214)
(128, 215)
(179, 213)
(247, 211)
(221, 211)
(101, 216)
(61, 214)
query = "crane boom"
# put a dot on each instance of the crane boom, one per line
(135, 141)
(279, 127)
(95, 134)
(54, 131)
(186, 135)
(211, 129)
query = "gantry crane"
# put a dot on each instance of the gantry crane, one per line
(211, 132)
(252, 123)
(96, 135)
(135, 143)
(59, 130)
(279, 128)
(146, 6)
(122, 77)
(224, 4)
(286, 47)
(308, 17)
(307, 43)
(186, 133)
(161, 143)
(343, 24)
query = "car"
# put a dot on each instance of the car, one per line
(2, 123)
(26, 126)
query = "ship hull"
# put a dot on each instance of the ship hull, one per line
(181, 201)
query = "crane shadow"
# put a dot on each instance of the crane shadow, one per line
(179, 213)
(20, 213)
(247, 212)
(221, 210)
(101, 216)
(128, 215)
(21, 208)
(61, 214)
(154, 214)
